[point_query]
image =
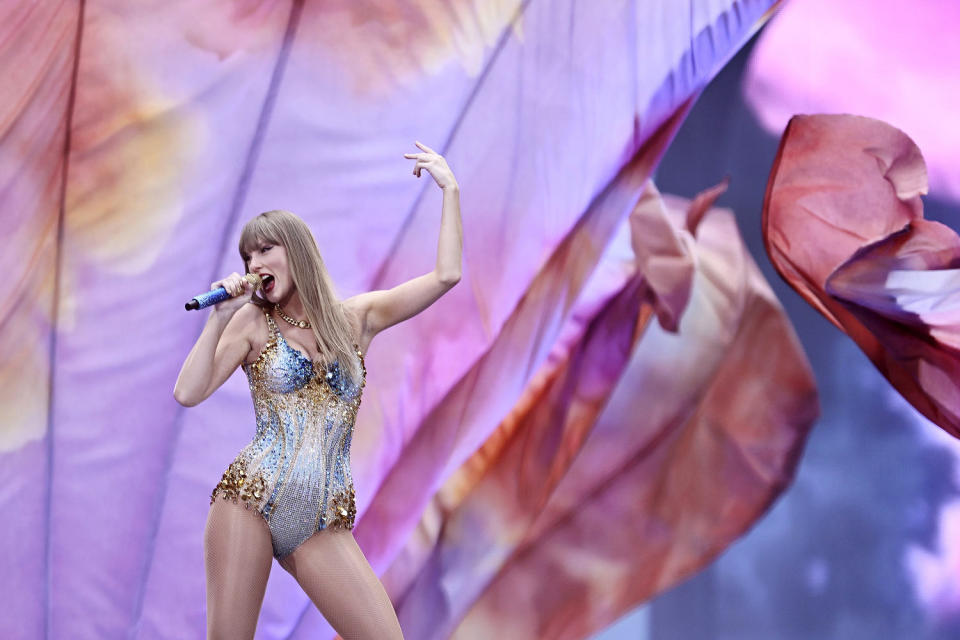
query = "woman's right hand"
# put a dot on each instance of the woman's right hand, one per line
(240, 290)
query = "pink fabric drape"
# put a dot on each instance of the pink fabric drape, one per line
(843, 223)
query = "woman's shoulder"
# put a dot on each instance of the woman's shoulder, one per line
(358, 305)
(252, 325)
(251, 314)
(250, 321)
(355, 303)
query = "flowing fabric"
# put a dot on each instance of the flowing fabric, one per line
(843, 223)
(665, 421)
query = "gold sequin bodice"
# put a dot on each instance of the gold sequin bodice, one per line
(296, 471)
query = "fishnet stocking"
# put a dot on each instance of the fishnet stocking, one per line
(332, 570)
(237, 557)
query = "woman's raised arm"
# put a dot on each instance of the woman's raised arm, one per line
(382, 309)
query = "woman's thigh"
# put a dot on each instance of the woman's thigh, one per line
(336, 576)
(237, 557)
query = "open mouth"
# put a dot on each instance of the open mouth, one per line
(267, 284)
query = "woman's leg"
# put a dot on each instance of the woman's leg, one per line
(333, 571)
(237, 556)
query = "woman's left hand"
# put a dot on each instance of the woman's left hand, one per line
(435, 164)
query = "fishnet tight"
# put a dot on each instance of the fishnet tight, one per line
(330, 567)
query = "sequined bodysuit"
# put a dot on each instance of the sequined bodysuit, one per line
(296, 471)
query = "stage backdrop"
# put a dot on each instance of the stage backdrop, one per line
(607, 399)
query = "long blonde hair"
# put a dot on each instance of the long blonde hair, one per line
(334, 326)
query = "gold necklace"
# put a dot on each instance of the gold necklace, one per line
(303, 324)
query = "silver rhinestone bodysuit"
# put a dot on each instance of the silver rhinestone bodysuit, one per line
(296, 471)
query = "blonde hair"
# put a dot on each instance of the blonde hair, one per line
(334, 326)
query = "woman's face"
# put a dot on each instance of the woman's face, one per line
(269, 259)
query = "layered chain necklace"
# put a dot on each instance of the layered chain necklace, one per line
(303, 324)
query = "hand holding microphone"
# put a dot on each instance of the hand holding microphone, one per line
(235, 288)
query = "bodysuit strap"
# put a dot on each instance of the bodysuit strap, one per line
(271, 325)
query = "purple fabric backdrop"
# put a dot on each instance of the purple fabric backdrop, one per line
(139, 137)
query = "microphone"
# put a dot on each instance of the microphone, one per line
(219, 294)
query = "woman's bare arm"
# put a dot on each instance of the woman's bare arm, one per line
(382, 309)
(223, 344)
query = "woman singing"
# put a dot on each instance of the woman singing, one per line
(289, 493)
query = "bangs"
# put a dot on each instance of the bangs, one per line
(256, 232)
